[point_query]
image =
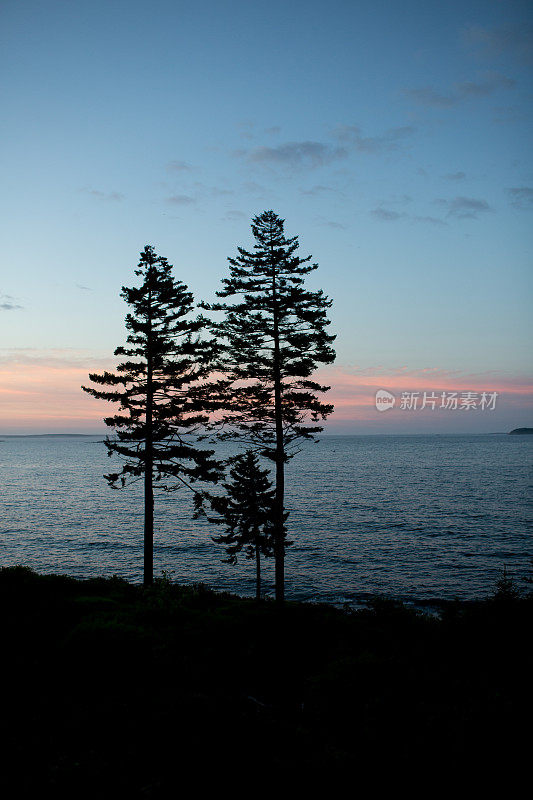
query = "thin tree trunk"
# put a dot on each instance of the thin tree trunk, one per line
(148, 498)
(257, 573)
(279, 504)
(149, 468)
(279, 545)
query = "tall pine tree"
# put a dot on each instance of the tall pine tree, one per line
(275, 336)
(160, 412)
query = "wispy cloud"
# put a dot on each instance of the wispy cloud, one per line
(489, 84)
(99, 195)
(392, 139)
(60, 358)
(9, 303)
(310, 154)
(233, 216)
(354, 388)
(246, 129)
(389, 215)
(455, 176)
(505, 115)
(197, 192)
(512, 38)
(178, 166)
(385, 214)
(486, 84)
(40, 389)
(297, 154)
(216, 191)
(427, 219)
(253, 187)
(464, 207)
(180, 200)
(249, 130)
(428, 96)
(521, 196)
(318, 191)
(330, 223)
(396, 200)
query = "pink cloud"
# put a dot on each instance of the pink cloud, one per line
(41, 391)
(353, 389)
(44, 393)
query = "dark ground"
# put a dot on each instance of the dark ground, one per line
(110, 690)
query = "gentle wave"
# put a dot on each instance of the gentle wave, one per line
(416, 517)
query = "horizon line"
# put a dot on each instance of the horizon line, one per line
(322, 433)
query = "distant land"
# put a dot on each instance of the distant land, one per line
(520, 431)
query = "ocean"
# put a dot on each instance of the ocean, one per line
(412, 517)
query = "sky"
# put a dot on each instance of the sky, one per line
(394, 138)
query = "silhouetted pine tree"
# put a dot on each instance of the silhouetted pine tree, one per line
(159, 411)
(246, 511)
(275, 336)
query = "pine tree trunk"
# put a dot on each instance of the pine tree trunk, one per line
(149, 470)
(279, 504)
(279, 548)
(257, 573)
(148, 509)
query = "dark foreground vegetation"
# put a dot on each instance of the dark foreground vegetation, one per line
(115, 690)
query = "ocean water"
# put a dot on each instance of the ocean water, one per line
(414, 517)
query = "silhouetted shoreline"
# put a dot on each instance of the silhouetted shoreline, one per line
(117, 686)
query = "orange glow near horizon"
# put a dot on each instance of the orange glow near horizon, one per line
(42, 397)
(353, 394)
(48, 396)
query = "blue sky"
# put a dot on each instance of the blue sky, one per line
(394, 138)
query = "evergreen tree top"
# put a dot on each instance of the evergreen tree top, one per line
(159, 407)
(246, 508)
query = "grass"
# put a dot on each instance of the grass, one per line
(112, 690)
